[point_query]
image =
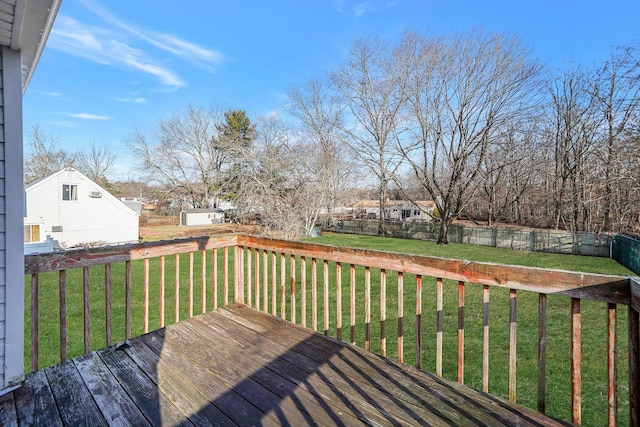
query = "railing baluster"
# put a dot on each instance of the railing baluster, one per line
(204, 281)
(314, 295)
(162, 284)
(214, 279)
(292, 279)
(239, 275)
(419, 321)
(226, 275)
(634, 367)
(512, 344)
(400, 317)
(265, 281)
(257, 278)
(461, 332)
(325, 293)
(542, 352)
(190, 288)
(274, 295)
(283, 302)
(107, 299)
(352, 303)
(485, 338)
(612, 365)
(62, 281)
(145, 320)
(303, 290)
(576, 362)
(439, 316)
(127, 298)
(86, 309)
(367, 308)
(339, 301)
(249, 276)
(176, 286)
(35, 315)
(383, 312)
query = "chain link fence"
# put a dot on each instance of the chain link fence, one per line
(577, 243)
(626, 251)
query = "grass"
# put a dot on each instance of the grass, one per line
(478, 253)
(558, 377)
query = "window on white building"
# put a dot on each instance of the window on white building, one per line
(31, 233)
(69, 192)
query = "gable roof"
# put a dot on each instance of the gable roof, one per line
(375, 203)
(25, 26)
(44, 179)
(55, 175)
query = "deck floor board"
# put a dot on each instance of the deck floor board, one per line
(238, 366)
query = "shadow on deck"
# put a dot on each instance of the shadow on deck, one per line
(237, 366)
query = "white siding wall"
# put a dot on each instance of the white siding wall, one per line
(11, 217)
(201, 218)
(3, 251)
(86, 220)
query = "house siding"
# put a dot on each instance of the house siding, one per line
(103, 219)
(3, 287)
(11, 212)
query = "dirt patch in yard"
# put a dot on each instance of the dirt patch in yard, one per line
(151, 233)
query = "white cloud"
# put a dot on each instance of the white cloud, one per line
(138, 100)
(105, 47)
(167, 42)
(88, 116)
(362, 8)
(49, 93)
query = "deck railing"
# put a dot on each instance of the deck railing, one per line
(400, 306)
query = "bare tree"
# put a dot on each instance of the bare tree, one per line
(617, 90)
(371, 86)
(327, 158)
(506, 173)
(190, 157)
(95, 162)
(463, 92)
(572, 129)
(44, 157)
(279, 185)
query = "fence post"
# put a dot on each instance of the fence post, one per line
(611, 246)
(634, 352)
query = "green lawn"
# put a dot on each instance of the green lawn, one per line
(558, 377)
(478, 253)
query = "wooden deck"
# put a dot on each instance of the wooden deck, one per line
(237, 366)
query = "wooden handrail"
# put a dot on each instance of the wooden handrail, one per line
(599, 287)
(258, 278)
(577, 286)
(76, 258)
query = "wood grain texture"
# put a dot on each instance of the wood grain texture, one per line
(599, 287)
(240, 366)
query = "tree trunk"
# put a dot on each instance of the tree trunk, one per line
(444, 229)
(382, 196)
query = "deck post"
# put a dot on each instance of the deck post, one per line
(634, 353)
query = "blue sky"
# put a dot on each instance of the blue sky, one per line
(111, 67)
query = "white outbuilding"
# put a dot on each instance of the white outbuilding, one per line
(201, 216)
(73, 210)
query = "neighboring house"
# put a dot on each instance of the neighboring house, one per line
(370, 209)
(74, 210)
(24, 29)
(201, 216)
(136, 205)
(395, 210)
(419, 210)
